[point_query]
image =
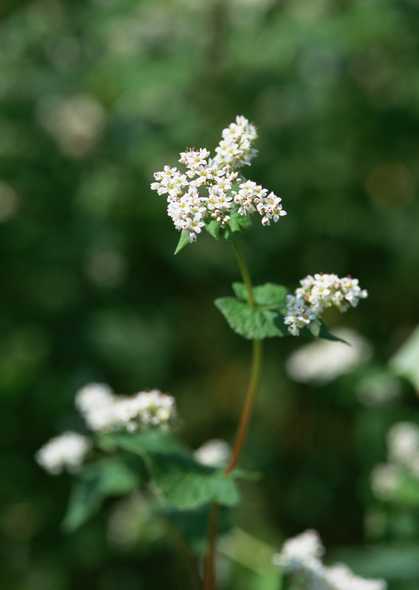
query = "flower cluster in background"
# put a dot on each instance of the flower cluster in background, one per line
(103, 412)
(64, 452)
(316, 294)
(324, 360)
(403, 461)
(212, 188)
(301, 557)
(213, 453)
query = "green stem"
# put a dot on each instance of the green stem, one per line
(248, 404)
(249, 399)
(242, 430)
(244, 271)
(209, 566)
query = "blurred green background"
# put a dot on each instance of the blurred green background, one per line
(96, 95)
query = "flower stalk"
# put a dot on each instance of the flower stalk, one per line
(243, 427)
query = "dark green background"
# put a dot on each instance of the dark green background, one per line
(90, 288)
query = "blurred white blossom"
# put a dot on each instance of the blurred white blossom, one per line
(301, 557)
(96, 404)
(385, 479)
(211, 188)
(303, 552)
(406, 361)
(340, 577)
(64, 452)
(323, 361)
(403, 443)
(403, 461)
(75, 122)
(316, 294)
(378, 387)
(104, 411)
(213, 453)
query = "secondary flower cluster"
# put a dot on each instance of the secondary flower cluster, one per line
(66, 451)
(318, 293)
(301, 557)
(403, 450)
(322, 361)
(211, 188)
(103, 412)
(213, 453)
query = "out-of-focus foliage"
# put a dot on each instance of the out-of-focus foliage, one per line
(95, 95)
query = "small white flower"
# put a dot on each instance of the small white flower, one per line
(340, 577)
(316, 294)
(235, 149)
(66, 451)
(194, 161)
(152, 408)
(302, 552)
(270, 208)
(104, 411)
(301, 557)
(323, 361)
(299, 315)
(169, 182)
(385, 479)
(96, 404)
(248, 196)
(403, 443)
(214, 453)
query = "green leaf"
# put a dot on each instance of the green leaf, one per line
(238, 222)
(251, 323)
(184, 240)
(108, 477)
(268, 294)
(213, 228)
(180, 481)
(319, 330)
(185, 484)
(141, 443)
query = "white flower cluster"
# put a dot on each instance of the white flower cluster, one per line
(103, 411)
(301, 557)
(213, 453)
(212, 188)
(323, 361)
(66, 451)
(403, 452)
(318, 293)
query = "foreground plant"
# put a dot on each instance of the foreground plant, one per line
(301, 560)
(209, 192)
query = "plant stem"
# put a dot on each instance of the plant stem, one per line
(209, 571)
(244, 271)
(241, 435)
(249, 400)
(246, 413)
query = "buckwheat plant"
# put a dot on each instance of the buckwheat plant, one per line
(301, 560)
(132, 443)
